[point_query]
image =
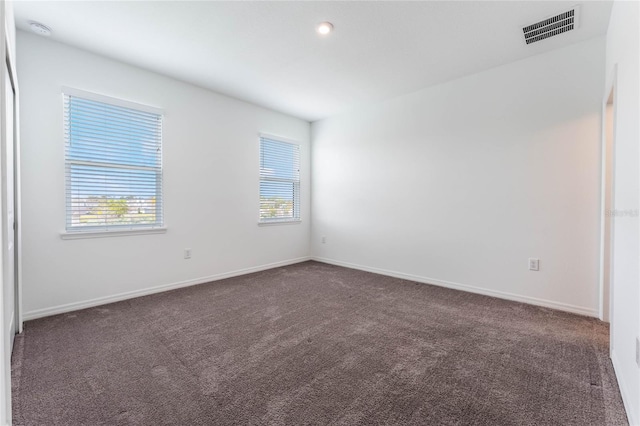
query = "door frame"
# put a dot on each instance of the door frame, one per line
(8, 54)
(609, 99)
(17, 211)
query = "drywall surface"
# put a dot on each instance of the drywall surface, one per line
(461, 183)
(211, 175)
(622, 55)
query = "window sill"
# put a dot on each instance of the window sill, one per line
(78, 235)
(280, 222)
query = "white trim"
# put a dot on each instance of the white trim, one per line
(79, 235)
(12, 340)
(18, 206)
(281, 222)
(289, 221)
(17, 209)
(54, 310)
(278, 138)
(610, 88)
(469, 288)
(623, 390)
(5, 358)
(111, 100)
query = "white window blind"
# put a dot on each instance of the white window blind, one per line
(279, 180)
(113, 161)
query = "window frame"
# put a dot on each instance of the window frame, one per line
(281, 221)
(99, 231)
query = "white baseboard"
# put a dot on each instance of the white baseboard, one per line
(54, 310)
(12, 336)
(75, 306)
(591, 312)
(623, 390)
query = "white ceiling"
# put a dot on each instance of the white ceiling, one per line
(268, 53)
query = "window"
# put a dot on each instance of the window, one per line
(279, 180)
(113, 161)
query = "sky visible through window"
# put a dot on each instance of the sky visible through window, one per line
(106, 133)
(279, 179)
(278, 161)
(114, 168)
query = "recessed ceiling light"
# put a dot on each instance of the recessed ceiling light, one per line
(40, 29)
(325, 28)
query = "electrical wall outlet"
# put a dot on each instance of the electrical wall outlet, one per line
(187, 253)
(324, 239)
(534, 264)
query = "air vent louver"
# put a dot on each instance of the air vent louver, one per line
(550, 27)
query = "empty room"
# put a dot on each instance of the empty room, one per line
(320, 212)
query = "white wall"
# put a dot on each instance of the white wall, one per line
(210, 175)
(622, 51)
(461, 183)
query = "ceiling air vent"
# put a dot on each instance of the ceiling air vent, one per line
(553, 26)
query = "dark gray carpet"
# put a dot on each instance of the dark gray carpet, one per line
(315, 344)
